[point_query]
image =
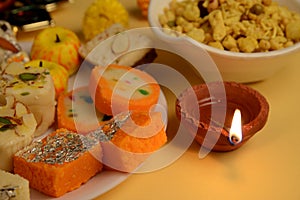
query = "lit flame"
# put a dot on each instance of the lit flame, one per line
(235, 133)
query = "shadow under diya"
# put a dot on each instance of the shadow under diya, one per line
(195, 107)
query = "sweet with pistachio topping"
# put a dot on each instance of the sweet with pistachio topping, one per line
(34, 87)
(17, 127)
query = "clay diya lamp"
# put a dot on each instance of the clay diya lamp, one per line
(207, 112)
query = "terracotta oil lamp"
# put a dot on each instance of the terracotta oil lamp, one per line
(207, 111)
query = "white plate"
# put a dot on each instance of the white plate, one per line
(101, 183)
(105, 180)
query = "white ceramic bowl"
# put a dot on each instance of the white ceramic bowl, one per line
(239, 67)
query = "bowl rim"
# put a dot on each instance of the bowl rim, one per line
(159, 31)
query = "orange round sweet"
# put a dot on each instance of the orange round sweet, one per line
(76, 112)
(117, 88)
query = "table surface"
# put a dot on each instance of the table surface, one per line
(266, 167)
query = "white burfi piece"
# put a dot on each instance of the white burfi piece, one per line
(34, 87)
(17, 127)
(13, 187)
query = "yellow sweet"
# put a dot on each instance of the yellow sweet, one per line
(100, 15)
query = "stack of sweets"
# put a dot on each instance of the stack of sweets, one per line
(117, 89)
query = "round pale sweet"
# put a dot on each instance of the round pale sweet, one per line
(76, 111)
(117, 88)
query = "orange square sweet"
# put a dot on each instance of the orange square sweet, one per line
(134, 142)
(59, 163)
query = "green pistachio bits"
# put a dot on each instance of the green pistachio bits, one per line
(5, 120)
(143, 92)
(28, 76)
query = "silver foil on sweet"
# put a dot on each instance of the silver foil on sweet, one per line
(107, 131)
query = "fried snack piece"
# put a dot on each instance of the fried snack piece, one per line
(233, 25)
